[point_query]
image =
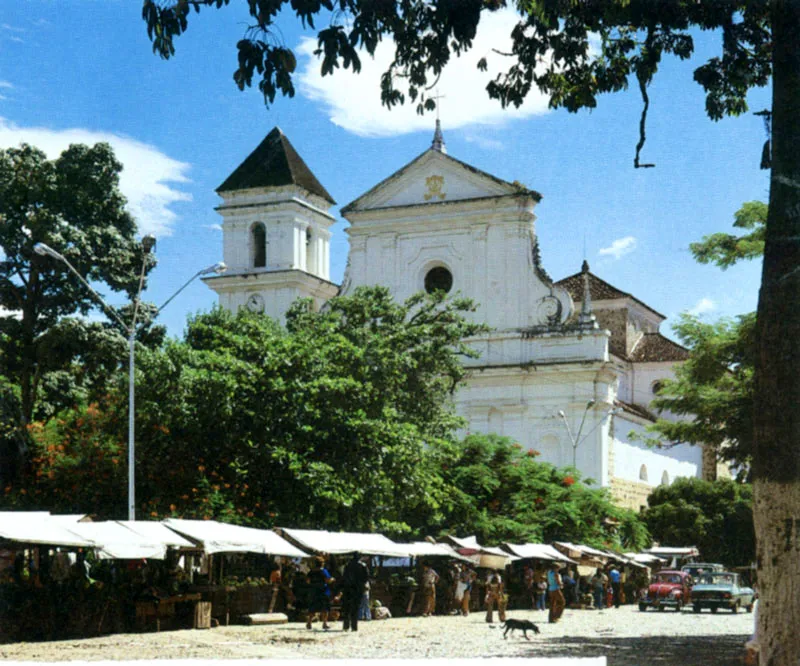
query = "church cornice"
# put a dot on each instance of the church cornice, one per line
(391, 211)
(223, 208)
(235, 279)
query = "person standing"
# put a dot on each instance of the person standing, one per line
(598, 587)
(568, 584)
(429, 580)
(354, 583)
(541, 593)
(528, 580)
(319, 580)
(466, 581)
(615, 578)
(495, 594)
(554, 586)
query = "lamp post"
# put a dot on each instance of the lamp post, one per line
(148, 243)
(576, 440)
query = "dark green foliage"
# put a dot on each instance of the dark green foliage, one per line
(550, 45)
(503, 493)
(338, 422)
(725, 250)
(74, 205)
(714, 387)
(717, 517)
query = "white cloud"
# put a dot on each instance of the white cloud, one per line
(619, 248)
(145, 180)
(702, 306)
(214, 227)
(353, 100)
(6, 84)
(484, 142)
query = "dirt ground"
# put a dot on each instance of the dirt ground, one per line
(626, 637)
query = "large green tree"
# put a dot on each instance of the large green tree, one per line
(715, 516)
(341, 420)
(74, 205)
(551, 51)
(713, 389)
(502, 493)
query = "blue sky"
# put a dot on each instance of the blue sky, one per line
(83, 70)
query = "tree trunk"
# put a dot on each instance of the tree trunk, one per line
(776, 455)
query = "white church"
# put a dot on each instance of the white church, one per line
(569, 368)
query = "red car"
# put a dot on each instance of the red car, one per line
(668, 589)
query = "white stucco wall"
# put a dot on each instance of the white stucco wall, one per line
(630, 455)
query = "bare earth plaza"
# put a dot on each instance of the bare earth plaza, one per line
(415, 329)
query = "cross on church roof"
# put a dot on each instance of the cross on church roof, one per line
(438, 138)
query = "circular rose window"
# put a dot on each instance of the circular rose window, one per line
(438, 279)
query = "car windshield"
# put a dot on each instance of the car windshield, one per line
(716, 579)
(668, 578)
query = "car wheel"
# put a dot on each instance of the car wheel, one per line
(749, 608)
(696, 608)
(714, 609)
(643, 607)
(661, 609)
(735, 608)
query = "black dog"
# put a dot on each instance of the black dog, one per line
(511, 624)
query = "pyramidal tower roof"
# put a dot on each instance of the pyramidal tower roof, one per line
(274, 163)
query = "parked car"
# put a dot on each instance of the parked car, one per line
(721, 589)
(696, 568)
(668, 589)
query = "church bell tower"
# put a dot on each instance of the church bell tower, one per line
(276, 238)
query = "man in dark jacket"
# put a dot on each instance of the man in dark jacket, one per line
(354, 582)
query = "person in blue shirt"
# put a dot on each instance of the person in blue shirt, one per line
(615, 578)
(318, 580)
(554, 586)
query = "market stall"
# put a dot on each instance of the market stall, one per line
(336, 546)
(235, 570)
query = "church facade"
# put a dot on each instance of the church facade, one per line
(569, 367)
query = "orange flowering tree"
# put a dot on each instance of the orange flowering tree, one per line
(78, 465)
(503, 493)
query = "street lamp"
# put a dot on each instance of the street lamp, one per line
(577, 439)
(148, 243)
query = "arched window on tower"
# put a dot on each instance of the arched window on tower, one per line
(258, 245)
(643, 473)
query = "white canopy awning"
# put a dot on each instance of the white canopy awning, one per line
(156, 532)
(644, 558)
(340, 543)
(688, 551)
(587, 551)
(537, 551)
(224, 538)
(116, 542)
(427, 549)
(38, 527)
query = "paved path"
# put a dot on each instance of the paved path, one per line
(626, 636)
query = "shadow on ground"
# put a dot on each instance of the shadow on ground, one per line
(725, 650)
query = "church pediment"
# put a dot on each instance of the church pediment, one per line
(434, 177)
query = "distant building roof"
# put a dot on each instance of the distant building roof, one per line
(654, 347)
(599, 290)
(274, 163)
